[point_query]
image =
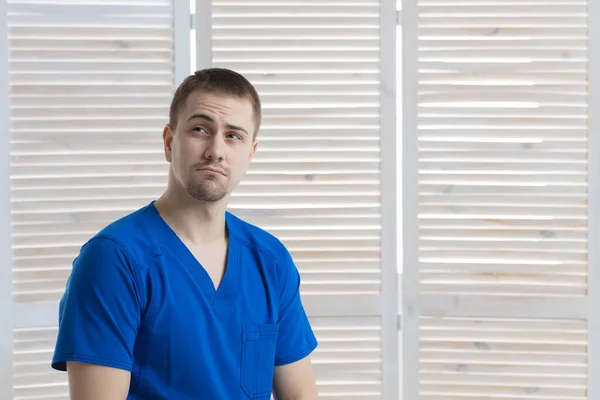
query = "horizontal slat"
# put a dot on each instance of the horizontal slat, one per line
(499, 97)
(120, 101)
(307, 3)
(454, 81)
(503, 21)
(476, 211)
(310, 78)
(279, 20)
(502, 190)
(161, 78)
(88, 44)
(152, 55)
(546, 114)
(73, 89)
(500, 268)
(520, 31)
(504, 306)
(281, 32)
(83, 68)
(90, 19)
(305, 56)
(323, 9)
(89, 33)
(544, 226)
(470, 391)
(510, 89)
(435, 155)
(506, 43)
(521, 58)
(512, 8)
(310, 67)
(481, 133)
(502, 200)
(224, 46)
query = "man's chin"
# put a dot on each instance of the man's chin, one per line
(207, 194)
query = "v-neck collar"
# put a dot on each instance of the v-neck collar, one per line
(227, 289)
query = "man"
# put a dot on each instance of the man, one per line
(181, 299)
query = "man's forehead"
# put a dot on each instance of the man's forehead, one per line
(220, 103)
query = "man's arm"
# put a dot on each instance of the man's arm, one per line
(96, 382)
(295, 381)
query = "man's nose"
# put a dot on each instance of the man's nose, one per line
(215, 149)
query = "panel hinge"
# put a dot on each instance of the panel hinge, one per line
(192, 21)
(398, 17)
(399, 322)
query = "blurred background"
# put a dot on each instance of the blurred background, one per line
(430, 165)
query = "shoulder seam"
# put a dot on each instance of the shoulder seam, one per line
(135, 271)
(117, 241)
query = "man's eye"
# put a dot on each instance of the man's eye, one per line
(234, 136)
(199, 129)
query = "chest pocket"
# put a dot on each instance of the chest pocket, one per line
(258, 360)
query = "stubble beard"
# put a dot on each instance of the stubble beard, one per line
(207, 190)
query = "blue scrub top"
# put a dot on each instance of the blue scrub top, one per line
(138, 300)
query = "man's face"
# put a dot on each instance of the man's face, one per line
(212, 146)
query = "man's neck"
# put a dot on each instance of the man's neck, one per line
(194, 222)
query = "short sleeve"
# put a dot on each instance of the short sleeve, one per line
(296, 339)
(99, 313)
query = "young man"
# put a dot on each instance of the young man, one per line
(181, 300)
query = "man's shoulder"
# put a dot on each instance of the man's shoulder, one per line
(130, 233)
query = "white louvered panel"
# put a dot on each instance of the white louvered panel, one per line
(33, 378)
(315, 179)
(465, 358)
(347, 362)
(90, 86)
(502, 163)
(90, 90)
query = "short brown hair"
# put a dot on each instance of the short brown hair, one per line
(216, 81)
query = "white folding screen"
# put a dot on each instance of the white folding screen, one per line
(501, 194)
(90, 86)
(323, 179)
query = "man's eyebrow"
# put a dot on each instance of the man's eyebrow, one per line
(236, 128)
(202, 116)
(212, 120)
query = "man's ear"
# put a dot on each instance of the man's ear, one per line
(254, 147)
(168, 141)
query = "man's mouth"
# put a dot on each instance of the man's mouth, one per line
(214, 171)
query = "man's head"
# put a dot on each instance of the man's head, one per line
(211, 136)
(220, 81)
